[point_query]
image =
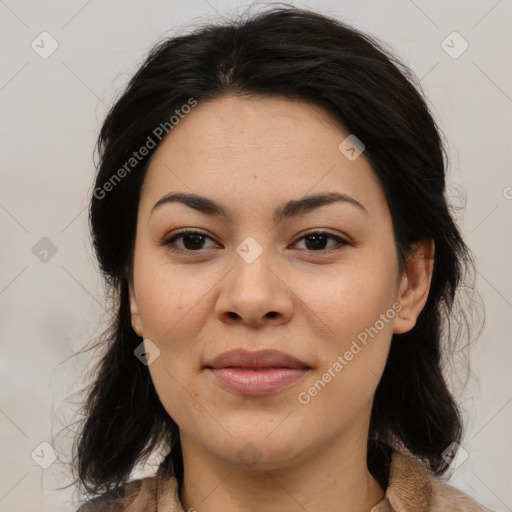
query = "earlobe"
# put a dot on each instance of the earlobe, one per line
(415, 285)
(134, 311)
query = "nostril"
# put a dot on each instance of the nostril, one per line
(272, 314)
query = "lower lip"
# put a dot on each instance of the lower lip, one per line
(261, 381)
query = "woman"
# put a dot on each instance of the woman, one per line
(269, 214)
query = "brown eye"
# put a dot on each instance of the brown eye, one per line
(317, 241)
(187, 241)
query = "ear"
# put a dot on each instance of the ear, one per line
(134, 311)
(415, 285)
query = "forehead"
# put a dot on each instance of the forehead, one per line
(235, 126)
(257, 147)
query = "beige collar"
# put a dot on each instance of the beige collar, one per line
(409, 489)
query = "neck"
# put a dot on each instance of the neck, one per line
(333, 478)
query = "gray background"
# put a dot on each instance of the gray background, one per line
(51, 111)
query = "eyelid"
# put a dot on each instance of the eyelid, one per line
(342, 241)
(166, 240)
(322, 231)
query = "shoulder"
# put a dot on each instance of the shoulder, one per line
(413, 488)
(116, 500)
(445, 497)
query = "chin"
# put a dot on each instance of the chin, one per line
(257, 450)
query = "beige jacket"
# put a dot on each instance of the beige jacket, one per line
(411, 489)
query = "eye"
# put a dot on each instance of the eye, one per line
(316, 241)
(189, 241)
(194, 241)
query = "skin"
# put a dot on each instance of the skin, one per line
(252, 154)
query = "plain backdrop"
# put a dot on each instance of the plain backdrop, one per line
(51, 297)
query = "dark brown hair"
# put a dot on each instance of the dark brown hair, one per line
(299, 54)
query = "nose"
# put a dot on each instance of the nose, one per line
(255, 294)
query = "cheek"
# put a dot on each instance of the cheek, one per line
(348, 298)
(174, 308)
(354, 349)
(352, 305)
(172, 301)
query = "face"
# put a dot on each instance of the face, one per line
(262, 270)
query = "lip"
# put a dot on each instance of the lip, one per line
(259, 359)
(256, 373)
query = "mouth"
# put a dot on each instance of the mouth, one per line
(256, 373)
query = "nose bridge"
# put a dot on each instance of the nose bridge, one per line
(252, 268)
(253, 290)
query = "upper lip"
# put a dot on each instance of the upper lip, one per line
(259, 359)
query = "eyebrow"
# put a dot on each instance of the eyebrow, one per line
(292, 208)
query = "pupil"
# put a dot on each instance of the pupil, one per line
(196, 241)
(317, 241)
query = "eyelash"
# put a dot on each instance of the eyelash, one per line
(168, 242)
